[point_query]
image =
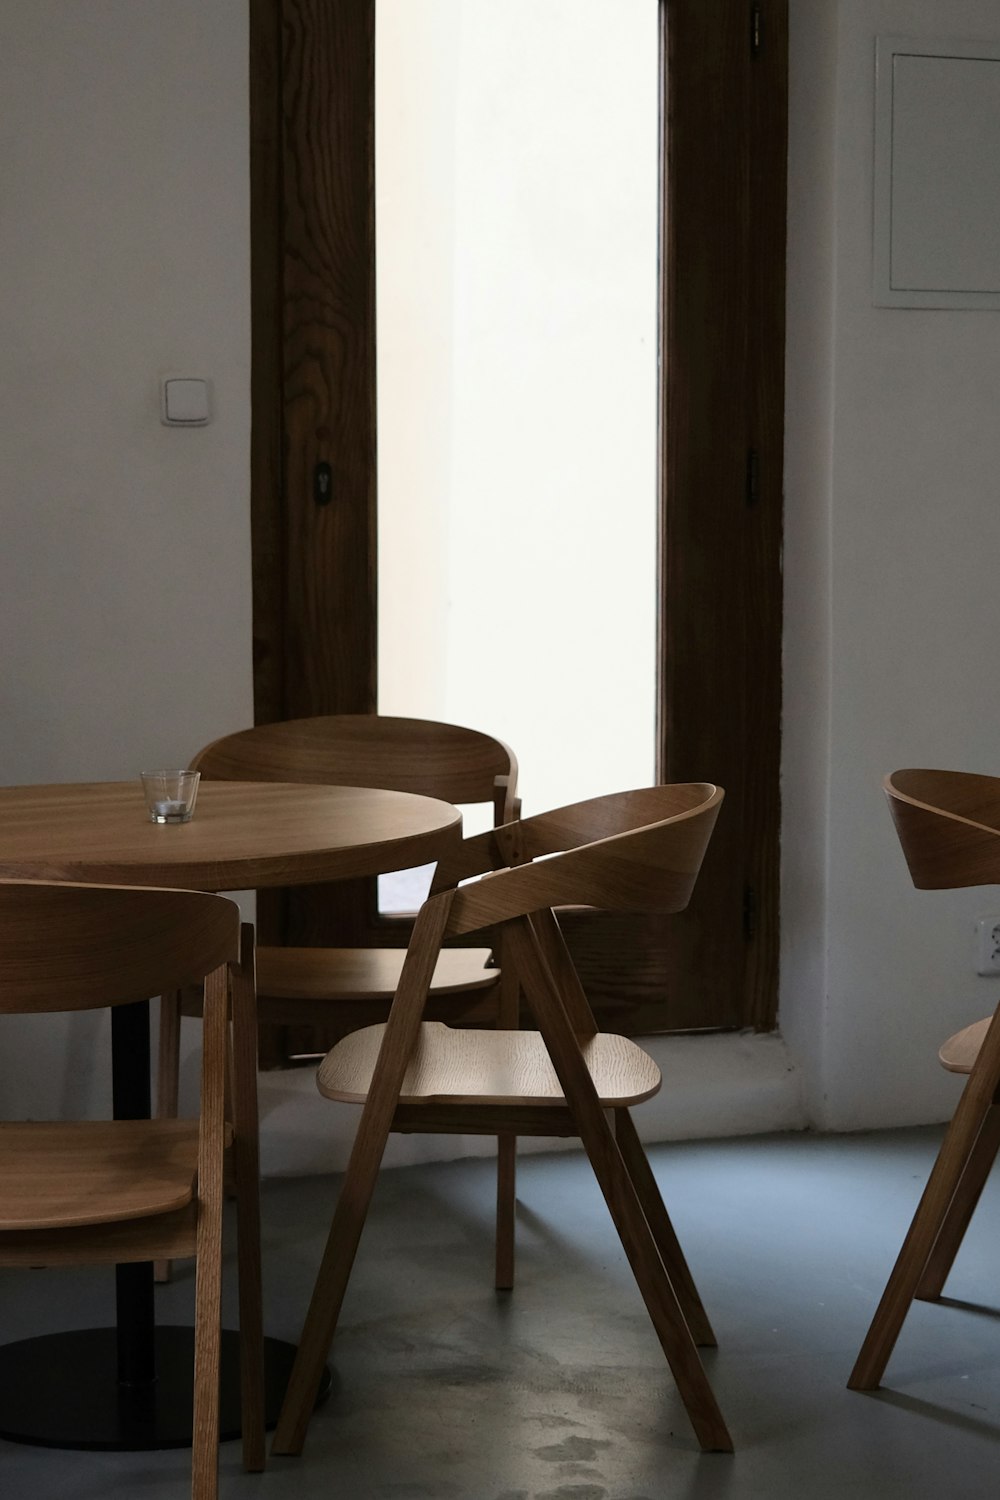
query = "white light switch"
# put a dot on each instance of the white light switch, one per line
(183, 401)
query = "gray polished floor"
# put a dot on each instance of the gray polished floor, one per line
(559, 1392)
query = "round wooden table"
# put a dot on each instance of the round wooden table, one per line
(129, 1387)
(243, 834)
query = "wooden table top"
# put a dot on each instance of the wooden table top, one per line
(242, 834)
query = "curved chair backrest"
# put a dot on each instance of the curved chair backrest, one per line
(77, 947)
(370, 750)
(948, 824)
(630, 851)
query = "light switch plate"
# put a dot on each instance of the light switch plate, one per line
(184, 401)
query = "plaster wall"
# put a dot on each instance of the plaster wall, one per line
(892, 530)
(124, 545)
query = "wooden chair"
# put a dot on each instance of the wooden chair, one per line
(635, 851)
(351, 986)
(948, 824)
(121, 1191)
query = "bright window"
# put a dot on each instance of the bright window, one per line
(517, 217)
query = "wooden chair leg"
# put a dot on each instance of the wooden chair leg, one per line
(651, 1278)
(928, 1221)
(506, 1209)
(168, 1081)
(961, 1209)
(208, 1263)
(508, 1019)
(207, 1346)
(356, 1191)
(331, 1284)
(662, 1230)
(246, 1162)
(619, 1193)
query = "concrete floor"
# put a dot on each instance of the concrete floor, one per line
(559, 1391)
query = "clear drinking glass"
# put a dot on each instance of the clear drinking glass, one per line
(170, 795)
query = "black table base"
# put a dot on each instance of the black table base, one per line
(61, 1390)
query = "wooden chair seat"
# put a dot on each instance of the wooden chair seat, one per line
(333, 974)
(94, 1171)
(451, 1066)
(958, 1054)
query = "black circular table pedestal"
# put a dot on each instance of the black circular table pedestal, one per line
(61, 1390)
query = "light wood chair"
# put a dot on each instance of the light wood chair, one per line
(121, 1191)
(948, 824)
(634, 851)
(348, 987)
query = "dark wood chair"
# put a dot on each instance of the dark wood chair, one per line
(635, 851)
(120, 1191)
(948, 824)
(347, 987)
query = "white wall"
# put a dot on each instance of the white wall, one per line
(893, 526)
(808, 514)
(124, 545)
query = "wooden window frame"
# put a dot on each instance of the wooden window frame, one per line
(723, 149)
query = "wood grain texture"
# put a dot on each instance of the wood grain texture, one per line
(415, 756)
(948, 824)
(267, 509)
(618, 1187)
(167, 1235)
(208, 1250)
(336, 974)
(450, 1066)
(721, 336)
(604, 945)
(762, 593)
(974, 1177)
(313, 390)
(168, 1058)
(243, 834)
(94, 1171)
(81, 947)
(622, 959)
(552, 946)
(722, 398)
(949, 828)
(562, 1077)
(631, 851)
(328, 275)
(958, 1054)
(483, 1119)
(504, 1250)
(127, 1190)
(477, 1008)
(356, 1191)
(932, 1214)
(246, 1175)
(424, 756)
(662, 1230)
(332, 986)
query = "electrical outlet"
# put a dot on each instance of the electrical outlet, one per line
(988, 945)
